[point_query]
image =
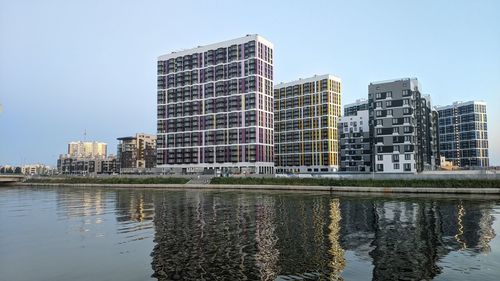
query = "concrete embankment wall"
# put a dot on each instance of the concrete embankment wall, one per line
(427, 190)
(437, 175)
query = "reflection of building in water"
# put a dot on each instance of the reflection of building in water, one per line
(303, 236)
(337, 263)
(358, 226)
(134, 205)
(265, 235)
(467, 225)
(407, 241)
(224, 235)
(85, 203)
(205, 236)
(486, 232)
(410, 238)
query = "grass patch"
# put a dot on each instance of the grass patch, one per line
(448, 183)
(117, 180)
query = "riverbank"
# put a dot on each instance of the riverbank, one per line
(110, 180)
(382, 183)
(311, 188)
(273, 181)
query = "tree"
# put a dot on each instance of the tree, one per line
(18, 170)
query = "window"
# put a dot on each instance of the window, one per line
(395, 130)
(378, 95)
(379, 131)
(380, 157)
(406, 93)
(407, 156)
(395, 158)
(396, 166)
(394, 121)
(388, 103)
(406, 101)
(378, 104)
(389, 94)
(406, 129)
(407, 120)
(379, 113)
(379, 122)
(389, 112)
(396, 148)
(380, 167)
(406, 110)
(407, 167)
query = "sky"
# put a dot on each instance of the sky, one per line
(69, 67)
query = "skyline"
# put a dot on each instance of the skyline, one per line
(67, 68)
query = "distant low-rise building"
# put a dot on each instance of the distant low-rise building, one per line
(8, 169)
(85, 165)
(37, 169)
(136, 154)
(86, 158)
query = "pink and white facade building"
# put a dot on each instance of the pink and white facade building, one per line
(215, 108)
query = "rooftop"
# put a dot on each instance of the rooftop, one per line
(307, 80)
(227, 43)
(392, 80)
(459, 103)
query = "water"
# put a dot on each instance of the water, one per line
(147, 234)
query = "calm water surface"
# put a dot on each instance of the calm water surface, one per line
(146, 234)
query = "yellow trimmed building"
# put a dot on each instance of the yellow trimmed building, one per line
(306, 113)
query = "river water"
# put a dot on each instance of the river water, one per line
(151, 234)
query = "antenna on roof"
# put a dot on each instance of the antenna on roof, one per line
(85, 135)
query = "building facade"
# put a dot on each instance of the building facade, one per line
(136, 154)
(84, 158)
(37, 169)
(69, 165)
(463, 133)
(87, 149)
(355, 142)
(215, 108)
(352, 109)
(306, 115)
(402, 127)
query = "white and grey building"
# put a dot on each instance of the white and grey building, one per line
(215, 108)
(402, 127)
(352, 109)
(355, 141)
(463, 133)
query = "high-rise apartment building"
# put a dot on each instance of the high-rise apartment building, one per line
(136, 153)
(352, 109)
(463, 133)
(87, 149)
(402, 127)
(306, 114)
(215, 108)
(355, 142)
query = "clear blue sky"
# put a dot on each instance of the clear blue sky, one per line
(71, 66)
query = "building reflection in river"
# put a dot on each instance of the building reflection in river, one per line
(270, 236)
